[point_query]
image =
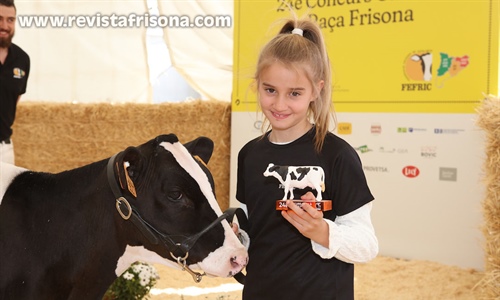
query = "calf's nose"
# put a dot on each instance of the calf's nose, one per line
(238, 262)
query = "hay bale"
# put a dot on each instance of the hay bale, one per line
(53, 137)
(489, 121)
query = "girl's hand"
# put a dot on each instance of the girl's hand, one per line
(308, 221)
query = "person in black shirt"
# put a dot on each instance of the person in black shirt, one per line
(301, 253)
(14, 71)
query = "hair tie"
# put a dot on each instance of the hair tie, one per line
(298, 31)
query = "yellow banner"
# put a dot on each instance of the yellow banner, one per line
(387, 56)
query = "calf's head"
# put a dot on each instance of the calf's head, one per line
(171, 195)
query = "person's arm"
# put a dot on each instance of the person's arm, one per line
(351, 237)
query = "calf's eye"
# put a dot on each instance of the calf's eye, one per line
(174, 195)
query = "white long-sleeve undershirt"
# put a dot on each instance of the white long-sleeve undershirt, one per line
(351, 237)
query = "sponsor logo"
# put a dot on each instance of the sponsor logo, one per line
(418, 68)
(428, 152)
(414, 129)
(449, 67)
(363, 149)
(387, 150)
(448, 174)
(447, 131)
(411, 171)
(344, 128)
(376, 129)
(393, 150)
(410, 130)
(377, 169)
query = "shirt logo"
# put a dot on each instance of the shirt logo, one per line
(18, 73)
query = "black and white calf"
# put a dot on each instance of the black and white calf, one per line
(298, 177)
(68, 235)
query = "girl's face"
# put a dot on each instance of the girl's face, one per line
(284, 96)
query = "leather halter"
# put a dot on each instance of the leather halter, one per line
(177, 245)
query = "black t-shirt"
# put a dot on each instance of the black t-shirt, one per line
(13, 80)
(282, 264)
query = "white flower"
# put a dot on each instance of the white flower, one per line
(128, 276)
(153, 272)
(144, 281)
(137, 268)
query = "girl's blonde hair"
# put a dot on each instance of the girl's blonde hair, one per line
(307, 52)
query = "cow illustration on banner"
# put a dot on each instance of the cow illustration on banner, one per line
(419, 65)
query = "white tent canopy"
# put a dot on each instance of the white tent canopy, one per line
(204, 56)
(110, 63)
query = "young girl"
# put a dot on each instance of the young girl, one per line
(301, 253)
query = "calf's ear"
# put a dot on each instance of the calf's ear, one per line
(129, 165)
(202, 147)
(171, 138)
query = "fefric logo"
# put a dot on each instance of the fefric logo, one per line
(418, 68)
(411, 171)
(18, 73)
(450, 66)
(345, 128)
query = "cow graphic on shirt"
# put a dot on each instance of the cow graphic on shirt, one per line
(298, 177)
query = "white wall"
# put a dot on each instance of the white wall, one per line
(430, 217)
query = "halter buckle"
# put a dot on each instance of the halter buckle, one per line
(119, 201)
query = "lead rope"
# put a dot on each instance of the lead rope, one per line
(181, 261)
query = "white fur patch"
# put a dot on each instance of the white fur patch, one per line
(139, 253)
(7, 174)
